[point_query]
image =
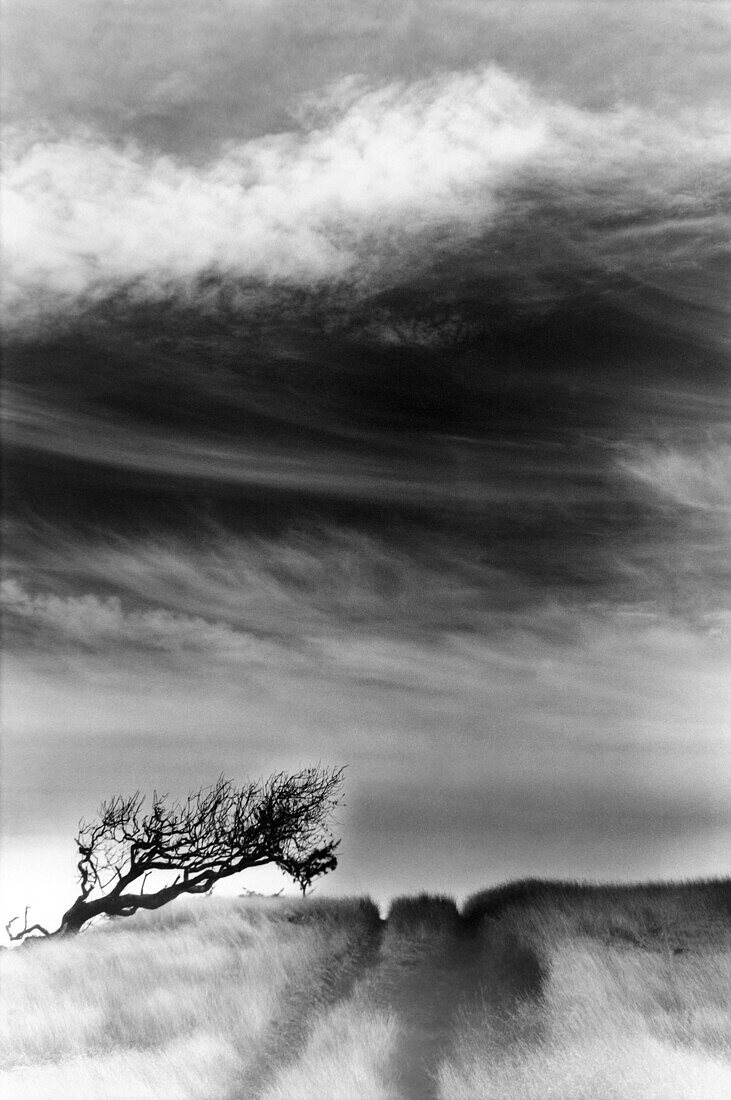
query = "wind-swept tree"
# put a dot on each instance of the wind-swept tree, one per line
(187, 847)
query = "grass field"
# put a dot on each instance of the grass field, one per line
(533, 990)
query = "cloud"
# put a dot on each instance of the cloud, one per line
(697, 478)
(312, 582)
(288, 206)
(435, 622)
(185, 76)
(436, 678)
(589, 700)
(111, 441)
(373, 168)
(101, 624)
(426, 471)
(506, 207)
(325, 578)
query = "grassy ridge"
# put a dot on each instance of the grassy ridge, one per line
(533, 990)
(184, 1002)
(633, 999)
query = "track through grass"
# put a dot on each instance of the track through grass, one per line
(533, 992)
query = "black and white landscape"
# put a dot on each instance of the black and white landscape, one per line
(366, 403)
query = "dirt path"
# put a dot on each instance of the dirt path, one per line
(429, 969)
(424, 978)
(433, 977)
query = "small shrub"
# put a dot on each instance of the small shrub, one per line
(424, 913)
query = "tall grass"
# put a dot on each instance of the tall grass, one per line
(352, 1052)
(177, 1002)
(381, 1044)
(550, 991)
(639, 912)
(625, 1066)
(634, 1001)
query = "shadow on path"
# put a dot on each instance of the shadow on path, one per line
(434, 972)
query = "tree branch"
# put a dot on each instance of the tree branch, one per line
(216, 832)
(26, 929)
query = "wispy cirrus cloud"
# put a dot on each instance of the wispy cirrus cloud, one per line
(449, 691)
(543, 689)
(101, 625)
(308, 583)
(696, 477)
(429, 471)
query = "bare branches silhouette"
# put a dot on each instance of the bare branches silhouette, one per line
(187, 847)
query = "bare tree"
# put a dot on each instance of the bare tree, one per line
(217, 832)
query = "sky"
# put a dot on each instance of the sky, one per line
(366, 403)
